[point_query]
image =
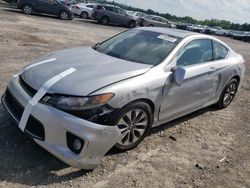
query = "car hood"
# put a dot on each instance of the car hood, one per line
(94, 70)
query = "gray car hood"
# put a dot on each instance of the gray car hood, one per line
(94, 70)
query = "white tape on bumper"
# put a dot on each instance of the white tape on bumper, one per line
(40, 94)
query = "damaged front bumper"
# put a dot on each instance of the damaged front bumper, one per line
(98, 139)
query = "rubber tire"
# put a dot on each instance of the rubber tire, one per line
(150, 25)
(105, 20)
(61, 16)
(29, 7)
(84, 15)
(141, 105)
(132, 24)
(220, 103)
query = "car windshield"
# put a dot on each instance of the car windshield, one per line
(139, 46)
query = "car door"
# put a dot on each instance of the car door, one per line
(199, 84)
(156, 22)
(120, 16)
(164, 22)
(53, 7)
(47, 6)
(40, 5)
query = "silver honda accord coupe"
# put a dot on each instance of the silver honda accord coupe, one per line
(79, 103)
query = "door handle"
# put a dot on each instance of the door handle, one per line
(212, 69)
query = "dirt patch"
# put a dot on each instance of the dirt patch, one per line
(184, 153)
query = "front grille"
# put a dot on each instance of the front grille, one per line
(31, 91)
(35, 128)
(14, 106)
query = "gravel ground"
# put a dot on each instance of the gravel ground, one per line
(182, 153)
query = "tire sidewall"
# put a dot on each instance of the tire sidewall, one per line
(84, 13)
(137, 105)
(60, 15)
(105, 22)
(132, 24)
(220, 103)
(29, 6)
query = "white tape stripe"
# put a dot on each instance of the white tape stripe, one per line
(39, 95)
(39, 63)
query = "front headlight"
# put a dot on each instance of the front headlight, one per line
(77, 103)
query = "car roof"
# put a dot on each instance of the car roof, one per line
(108, 5)
(174, 32)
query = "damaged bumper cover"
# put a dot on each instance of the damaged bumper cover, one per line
(98, 139)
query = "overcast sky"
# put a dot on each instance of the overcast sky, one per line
(237, 11)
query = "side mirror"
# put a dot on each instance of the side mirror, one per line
(95, 47)
(178, 75)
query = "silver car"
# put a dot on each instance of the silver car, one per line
(79, 103)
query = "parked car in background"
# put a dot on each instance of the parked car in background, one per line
(71, 2)
(243, 36)
(220, 31)
(210, 30)
(84, 10)
(53, 7)
(182, 26)
(137, 14)
(153, 21)
(122, 87)
(107, 14)
(199, 28)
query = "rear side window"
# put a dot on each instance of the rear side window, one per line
(220, 51)
(99, 7)
(109, 9)
(90, 6)
(196, 52)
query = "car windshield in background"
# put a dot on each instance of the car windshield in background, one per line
(139, 46)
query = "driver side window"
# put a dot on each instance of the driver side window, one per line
(195, 52)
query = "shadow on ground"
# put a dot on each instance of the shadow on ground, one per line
(24, 162)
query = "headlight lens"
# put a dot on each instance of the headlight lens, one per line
(78, 103)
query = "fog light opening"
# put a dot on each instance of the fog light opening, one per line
(77, 144)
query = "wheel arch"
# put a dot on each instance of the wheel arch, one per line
(145, 100)
(237, 77)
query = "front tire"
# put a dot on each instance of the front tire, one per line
(134, 122)
(84, 15)
(27, 9)
(228, 94)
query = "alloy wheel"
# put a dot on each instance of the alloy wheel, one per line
(230, 93)
(27, 9)
(64, 15)
(132, 126)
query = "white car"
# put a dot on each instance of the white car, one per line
(84, 10)
(137, 14)
(220, 31)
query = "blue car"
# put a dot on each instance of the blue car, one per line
(53, 7)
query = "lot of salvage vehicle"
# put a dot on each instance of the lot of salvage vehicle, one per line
(184, 153)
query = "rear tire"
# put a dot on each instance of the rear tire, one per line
(105, 20)
(84, 15)
(27, 9)
(132, 24)
(134, 122)
(64, 15)
(150, 25)
(228, 94)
